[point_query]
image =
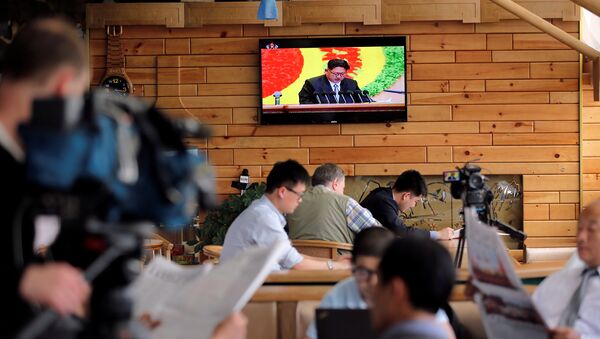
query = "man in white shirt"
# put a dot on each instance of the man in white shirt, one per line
(569, 300)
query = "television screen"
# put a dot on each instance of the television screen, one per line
(333, 80)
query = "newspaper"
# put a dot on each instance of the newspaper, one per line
(188, 303)
(507, 310)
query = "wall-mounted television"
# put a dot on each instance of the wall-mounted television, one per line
(333, 80)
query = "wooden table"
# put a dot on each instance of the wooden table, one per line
(323, 277)
(307, 277)
(279, 301)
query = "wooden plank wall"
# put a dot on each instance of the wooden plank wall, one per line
(590, 135)
(502, 92)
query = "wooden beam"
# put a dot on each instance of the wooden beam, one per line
(300, 12)
(396, 11)
(548, 28)
(199, 14)
(591, 5)
(161, 14)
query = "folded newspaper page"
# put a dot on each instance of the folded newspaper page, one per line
(507, 310)
(183, 303)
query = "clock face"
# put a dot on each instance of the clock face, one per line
(116, 84)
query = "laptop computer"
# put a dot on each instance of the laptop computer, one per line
(344, 324)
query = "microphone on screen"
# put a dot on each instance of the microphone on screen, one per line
(332, 93)
(316, 94)
(351, 97)
(342, 96)
(277, 96)
(359, 95)
(327, 97)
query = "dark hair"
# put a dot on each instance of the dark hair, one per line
(425, 267)
(326, 173)
(333, 63)
(40, 48)
(372, 241)
(286, 173)
(411, 181)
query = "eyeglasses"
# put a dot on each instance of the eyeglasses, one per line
(341, 74)
(296, 193)
(362, 273)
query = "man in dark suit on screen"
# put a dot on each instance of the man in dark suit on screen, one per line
(332, 87)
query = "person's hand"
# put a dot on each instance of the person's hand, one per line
(445, 234)
(234, 327)
(564, 333)
(59, 286)
(343, 263)
(149, 322)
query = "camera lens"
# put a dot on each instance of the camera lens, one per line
(476, 181)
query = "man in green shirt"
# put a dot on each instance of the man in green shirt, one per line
(326, 213)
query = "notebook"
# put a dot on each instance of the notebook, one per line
(344, 324)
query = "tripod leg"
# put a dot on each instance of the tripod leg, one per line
(459, 251)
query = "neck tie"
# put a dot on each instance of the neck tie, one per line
(336, 89)
(571, 312)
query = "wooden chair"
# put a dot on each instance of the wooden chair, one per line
(166, 246)
(212, 253)
(154, 246)
(322, 249)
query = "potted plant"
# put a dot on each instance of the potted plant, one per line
(217, 221)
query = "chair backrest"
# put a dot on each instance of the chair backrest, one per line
(322, 249)
(166, 246)
(212, 253)
(154, 246)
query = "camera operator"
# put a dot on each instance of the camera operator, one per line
(45, 59)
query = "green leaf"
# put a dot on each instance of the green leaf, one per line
(217, 221)
(192, 242)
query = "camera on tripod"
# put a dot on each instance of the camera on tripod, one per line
(469, 185)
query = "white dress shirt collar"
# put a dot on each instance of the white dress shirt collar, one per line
(264, 200)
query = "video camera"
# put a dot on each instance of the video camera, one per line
(469, 185)
(127, 149)
(108, 166)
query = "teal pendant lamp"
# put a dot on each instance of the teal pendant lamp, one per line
(267, 10)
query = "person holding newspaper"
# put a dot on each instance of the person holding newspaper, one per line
(569, 300)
